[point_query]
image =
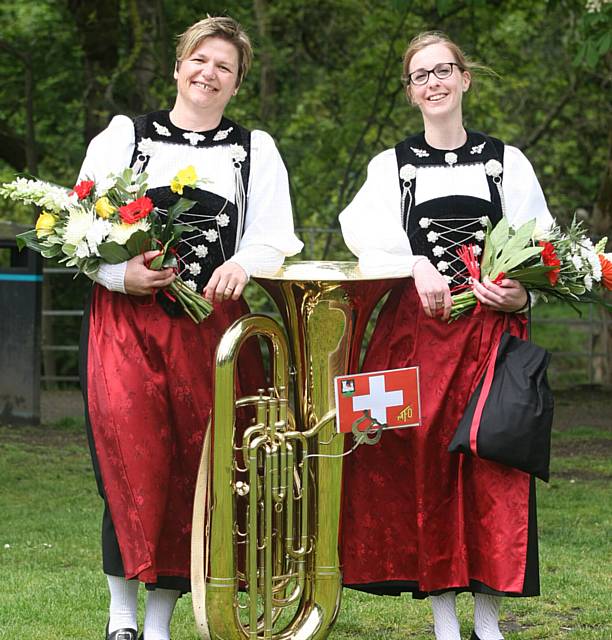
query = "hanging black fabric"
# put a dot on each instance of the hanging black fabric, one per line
(509, 416)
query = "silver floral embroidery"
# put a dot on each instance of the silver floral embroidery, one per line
(161, 130)
(201, 251)
(222, 134)
(477, 148)
(223, 219)
(211, 235)
(193, 137)
(194, 268)
(420, 153)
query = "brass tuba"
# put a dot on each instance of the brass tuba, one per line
(284, 473)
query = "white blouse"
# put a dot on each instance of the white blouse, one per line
(372, 222)
(268, 235)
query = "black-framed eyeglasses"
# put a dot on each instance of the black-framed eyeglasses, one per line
(442, 71)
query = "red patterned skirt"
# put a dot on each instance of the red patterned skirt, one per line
(149, 397)
(416, 517)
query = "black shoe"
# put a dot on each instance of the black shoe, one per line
(121, 634)
(475, 637)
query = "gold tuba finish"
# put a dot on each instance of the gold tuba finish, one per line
(284, 473)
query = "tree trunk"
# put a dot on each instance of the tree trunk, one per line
(267, 76)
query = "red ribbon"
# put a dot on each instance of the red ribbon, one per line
(484, 394)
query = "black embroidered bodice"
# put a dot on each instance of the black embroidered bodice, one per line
(438, 226)
(218, 222)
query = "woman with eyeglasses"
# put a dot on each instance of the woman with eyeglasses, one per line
(417, 518)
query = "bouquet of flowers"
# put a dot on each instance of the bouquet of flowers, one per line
(109, 223)
(562, 264)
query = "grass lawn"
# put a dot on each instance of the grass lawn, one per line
(51, 584)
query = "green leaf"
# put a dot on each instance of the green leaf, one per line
(29, 239)
(519, 258)
(51, 252)
(138, 243)
(113, 253)
(180, 206)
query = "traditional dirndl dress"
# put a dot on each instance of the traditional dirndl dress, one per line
(147, 372)
(415, 517)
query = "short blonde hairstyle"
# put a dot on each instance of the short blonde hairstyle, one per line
(428, 38)
(217, 27)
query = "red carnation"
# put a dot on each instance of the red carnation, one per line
(549, 258)
(83, 189)
(136, 210)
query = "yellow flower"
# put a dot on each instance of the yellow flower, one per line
(45, 223)
(184, 178)
(104, 208)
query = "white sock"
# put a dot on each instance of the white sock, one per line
(446, 625)
(160, 605)
(123, 609)
(486, 616)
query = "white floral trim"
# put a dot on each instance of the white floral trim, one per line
(193, 137)
(223, 219)
(424, 223)
(146, 146)
(442, 266)
(450, 158)
(494, 168)
(438, 251)
(211, 235)
(420, 153)
(477, 250)
(477, 148)
(222, 134)
(192, 285)
(237, 152)
(479, 235)
(484, 220)
(201, 251)
(194, 268)
(432, 236)
(161, 130)
(408, 172)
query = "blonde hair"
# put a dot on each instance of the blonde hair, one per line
(427, 38)
(217, 27)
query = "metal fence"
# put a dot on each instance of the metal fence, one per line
(580, 344)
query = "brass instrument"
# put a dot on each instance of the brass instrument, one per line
(285, 471)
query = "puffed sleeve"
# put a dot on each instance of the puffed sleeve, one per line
(372, 222)
(268, 231)
(523, 195)
(109, 153)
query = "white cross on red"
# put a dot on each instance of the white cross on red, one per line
(378, 399)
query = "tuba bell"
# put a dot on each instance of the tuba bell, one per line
(265, 562)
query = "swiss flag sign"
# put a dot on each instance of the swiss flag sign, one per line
(391, 398)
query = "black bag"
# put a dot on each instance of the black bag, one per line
(510, 421)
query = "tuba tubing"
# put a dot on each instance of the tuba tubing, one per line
(291, 460)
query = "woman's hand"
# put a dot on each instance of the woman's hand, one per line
(227, 281)
(140, 280)
(508, 295)
(432, 289)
